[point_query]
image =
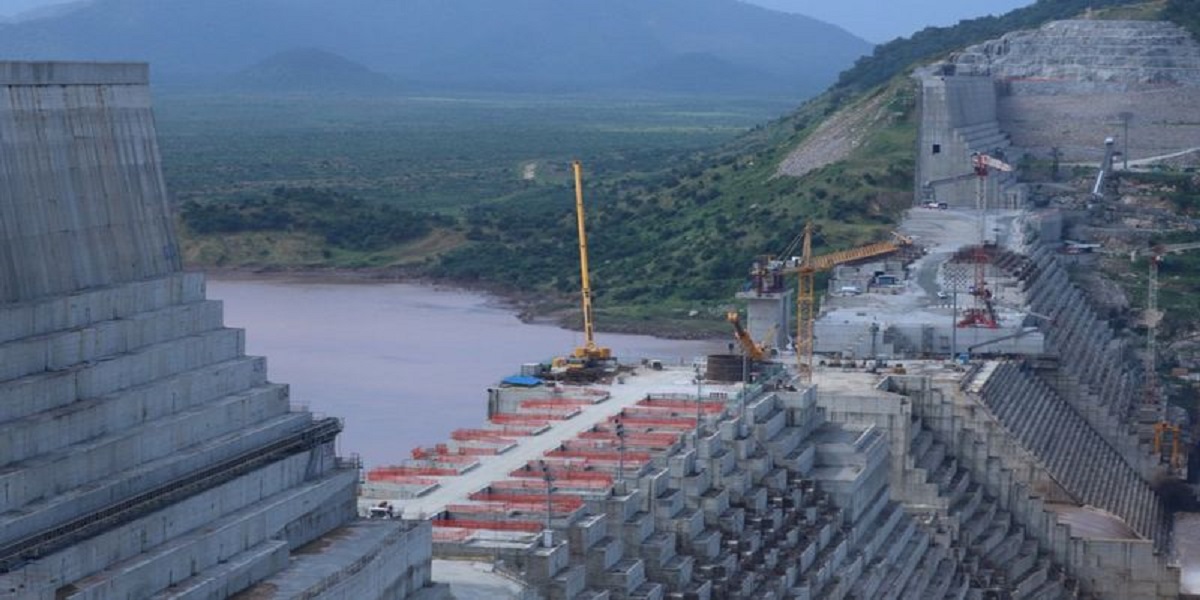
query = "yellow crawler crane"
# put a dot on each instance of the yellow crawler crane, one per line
(807, 269)
(589, 352)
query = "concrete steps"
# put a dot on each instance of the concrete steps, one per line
(1078, 457)
(996, 549)
(69, 503)
(244, 528)
(89, 418)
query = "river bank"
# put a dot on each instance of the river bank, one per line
(535, 309)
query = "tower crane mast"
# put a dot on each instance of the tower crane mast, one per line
(807, 270)
(983, 313)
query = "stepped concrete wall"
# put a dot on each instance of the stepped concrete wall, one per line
(1019, 482)
(142, 453)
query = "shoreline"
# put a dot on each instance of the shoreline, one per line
(525, 309)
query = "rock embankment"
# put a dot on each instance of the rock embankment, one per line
(1070, 84)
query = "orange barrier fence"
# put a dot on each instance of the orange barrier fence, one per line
(505, 525)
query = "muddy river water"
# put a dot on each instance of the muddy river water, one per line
(402, 364)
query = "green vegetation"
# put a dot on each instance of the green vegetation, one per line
(678, 202)
(437, 152)
(343, 221)
(683, 239)
(1186, 13)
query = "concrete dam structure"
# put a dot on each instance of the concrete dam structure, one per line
(144, 456)
(142, 453)
(1020, 468)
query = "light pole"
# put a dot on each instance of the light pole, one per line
(1126, 117)
(745, 392)
(620, 429)
(548, 534)
(699, 393)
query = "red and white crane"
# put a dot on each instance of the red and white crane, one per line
(983, 313)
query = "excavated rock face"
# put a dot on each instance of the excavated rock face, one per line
(1075, 56)
(1071, 84)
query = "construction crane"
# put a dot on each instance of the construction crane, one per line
(983, 313)
(754, 351)
(590, 354)
(1174, 458)
(589, 350)
(1151, 394)
(807, 270)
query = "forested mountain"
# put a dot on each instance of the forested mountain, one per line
(487, 44)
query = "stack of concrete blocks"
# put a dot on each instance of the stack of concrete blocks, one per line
(1072, 452)
(142, 454)
(936, 484)
(1010, 479)
(769, 316)
(864, 340)
(766, 502)
(1097, 373)
(958, 118)
(856, 340)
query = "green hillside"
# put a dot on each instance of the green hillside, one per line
(679, 243)
(669, 246)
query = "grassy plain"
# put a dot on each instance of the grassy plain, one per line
(435, 152)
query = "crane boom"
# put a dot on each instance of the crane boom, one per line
(754, 351)
(806, 299)
(589, 350)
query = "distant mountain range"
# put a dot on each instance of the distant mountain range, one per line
(667, 45)
(310, 70)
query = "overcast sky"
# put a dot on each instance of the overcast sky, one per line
(879, 21)
(875, 20)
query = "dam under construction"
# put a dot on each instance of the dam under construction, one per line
(919, 454)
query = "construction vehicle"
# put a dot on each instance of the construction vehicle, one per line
(1173, 457)
(590, 357)
(755, 351)
(807, 268)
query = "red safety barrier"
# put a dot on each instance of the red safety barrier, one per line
(604, 455)
(514, 419)
(467, 435)
(528, 526)
(452, 535)
(402, 479)
(564, 474)
(543, 415)
(480, 450)
(654, 439)
(401, 471)
(555, 403)
(677, 423)
(558, 501)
